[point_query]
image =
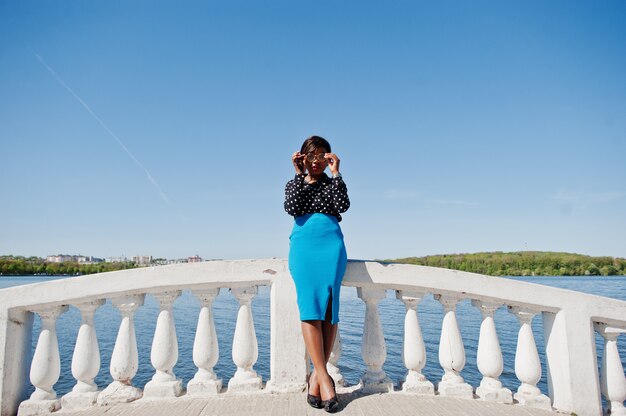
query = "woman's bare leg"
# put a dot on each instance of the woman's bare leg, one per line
(314, 342)
(319, 338)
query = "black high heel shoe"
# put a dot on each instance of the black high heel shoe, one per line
(331, 405)
(313, 401)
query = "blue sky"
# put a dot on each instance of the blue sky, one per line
(461, 126)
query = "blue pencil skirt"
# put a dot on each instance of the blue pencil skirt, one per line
(317, 262)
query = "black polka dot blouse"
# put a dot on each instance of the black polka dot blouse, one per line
(326, 195)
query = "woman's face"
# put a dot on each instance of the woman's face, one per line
(317, 163)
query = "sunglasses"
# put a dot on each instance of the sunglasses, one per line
(312, 157)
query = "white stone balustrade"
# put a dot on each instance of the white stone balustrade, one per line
(373, 350)
(571, 359)
(205, 348)
(164, 352)
(85, 360)
(527, 364)
(124, 359)
(46, 366)
(489, 357)
(452, 352)
(413, 348)
(613, 382)
(245, 346)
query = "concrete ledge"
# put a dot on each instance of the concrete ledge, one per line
(352, 401)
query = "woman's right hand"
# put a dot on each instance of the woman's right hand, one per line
(297, 160)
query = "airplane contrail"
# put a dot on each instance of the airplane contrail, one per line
(111, 133)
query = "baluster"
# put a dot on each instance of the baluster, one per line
(452, 352)
(164, 352)
(85, 361)
(331, 366)
(46, 366)
(527, 364)
(245, 347)
(414, 350)
(612, 380)
(374, 350)
(205, 348)
(489, 357)
(125, 358)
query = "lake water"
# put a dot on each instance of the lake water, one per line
(352, 313)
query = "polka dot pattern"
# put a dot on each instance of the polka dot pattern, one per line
(327, 196)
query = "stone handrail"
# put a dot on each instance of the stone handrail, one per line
(570, 319)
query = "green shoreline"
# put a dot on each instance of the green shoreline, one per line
(29, 266)
(520, 263)
(524, 263)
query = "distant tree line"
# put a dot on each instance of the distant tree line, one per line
(524, 263)
(25, 266)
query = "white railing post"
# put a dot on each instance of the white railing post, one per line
(414, 350)
(489, 357)
(288, 359)
(16, 346)
(46, 366)
(331, 366)
(612, 380)
(527, 364)
(85, 361)
(245, 346)
(164, 352)
(452, 352)
(571, 359)
(374, 350)
(125, 357)
(205, 348)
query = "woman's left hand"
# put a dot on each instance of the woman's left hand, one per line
(333, 162)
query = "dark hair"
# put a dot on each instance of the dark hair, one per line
(313, 143)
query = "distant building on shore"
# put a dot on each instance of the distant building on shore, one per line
(142, 260)
(121, 259)
(67, 258)
(59, 258)
(139, 260)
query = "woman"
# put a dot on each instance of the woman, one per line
(317, 258)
